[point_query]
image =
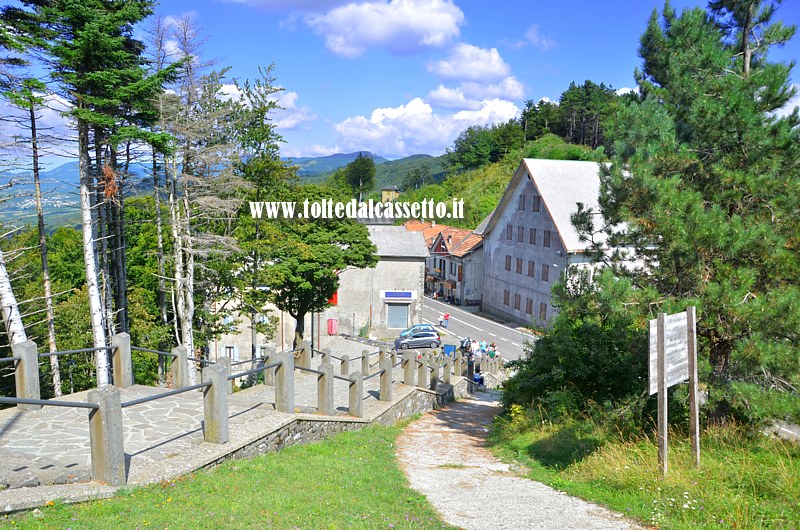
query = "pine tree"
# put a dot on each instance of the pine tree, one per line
(708, 180)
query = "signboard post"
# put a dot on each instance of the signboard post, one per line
(673, 360)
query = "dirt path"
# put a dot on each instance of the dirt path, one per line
(444, 458)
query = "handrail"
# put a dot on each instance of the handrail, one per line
(148, 350)
(8, 359)
(343, 378)
(379, 372)
(309, 370)
(253, 371)
(201, 361)
(165, 394)
(79, 350)
(49, 403)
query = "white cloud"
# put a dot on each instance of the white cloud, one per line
(56, 133)
(791, 104)
(452, 98)
(414, 127)
(625, 90)
(291, 115)
(400, 26)
(534, 37)
(508, 88)
(471, 63)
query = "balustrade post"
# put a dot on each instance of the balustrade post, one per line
(215, 404)
(434, 376)
(409, 369)
(386, 381)
(122, 369)
(180, 374)
(422, 372)
(325, 390)
(106, 438)
(356, 405)
(305, 354)
(326, 356)
(447, 368)
(225, 362)
(344, 365)
(268, 352)
(284, 383)
(26, 373)
(365, 362)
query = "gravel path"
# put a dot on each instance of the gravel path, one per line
(444, 458)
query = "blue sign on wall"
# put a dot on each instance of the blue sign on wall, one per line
(398, 294)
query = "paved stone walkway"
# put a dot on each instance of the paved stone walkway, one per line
(51, 446)
(444, 458)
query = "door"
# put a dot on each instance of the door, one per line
(397, 316)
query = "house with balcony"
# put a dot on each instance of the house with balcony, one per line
(529, 239)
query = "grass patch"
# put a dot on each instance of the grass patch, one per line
(745, 481)
(350, 480)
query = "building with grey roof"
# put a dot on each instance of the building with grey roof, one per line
(529, 239)
(388, 295)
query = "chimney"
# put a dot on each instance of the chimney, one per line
(449, 239)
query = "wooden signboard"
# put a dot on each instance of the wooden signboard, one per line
(673, 360)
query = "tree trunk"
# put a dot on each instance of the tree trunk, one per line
(747, 50)
(299, 329)
(162, 287)
(95, 307)
(48, 292)
(11, 315)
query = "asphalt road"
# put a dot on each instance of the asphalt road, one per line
(462, 324)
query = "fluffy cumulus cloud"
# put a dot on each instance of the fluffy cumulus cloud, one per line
(452, 98)
(625, 90)
(292, 115)
(400, 26)
(471, 63)
(534, 37)
(470, 95)
(415, 128)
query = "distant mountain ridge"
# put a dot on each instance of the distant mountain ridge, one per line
(314, 165)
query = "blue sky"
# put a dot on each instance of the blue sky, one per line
(400, 77)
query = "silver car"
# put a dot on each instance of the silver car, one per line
(418, 339)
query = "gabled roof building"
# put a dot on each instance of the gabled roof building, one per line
(529, 239)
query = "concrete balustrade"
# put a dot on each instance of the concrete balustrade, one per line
(325, 390)
(121, 364)
(106, 438)
(447, 368)
(326, 356)
(434, 376)
(381, 355)
(215, 404)
(344, 365)
(225, 362)
(26, 375)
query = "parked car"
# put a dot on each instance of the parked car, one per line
(418, 339)
(418, 327)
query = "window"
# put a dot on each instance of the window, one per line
(533, 236)
(517, 299)
(508, 263)
(542, 311)
(521, 234)
(509, 232)
(441, 266)
(506, 295)
(546, 238)
(529, 306)
(536, 203)
(519, 265)
(452, 268)
(545, 272)
(531, 268)
(522, 202)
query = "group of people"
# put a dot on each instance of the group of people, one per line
(475, 350)
(444, 320)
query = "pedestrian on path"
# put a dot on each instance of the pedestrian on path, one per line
(441, 319)
(446, 320)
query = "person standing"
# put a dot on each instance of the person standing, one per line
(441, 319)
(446, 320)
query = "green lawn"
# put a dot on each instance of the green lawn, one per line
(350, 480)
(744, 481)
